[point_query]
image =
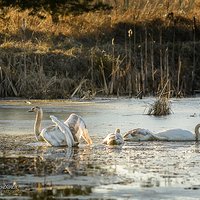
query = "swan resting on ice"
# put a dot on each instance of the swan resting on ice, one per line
(139, 134)
(66, 133)
(114, 138)
(167, 135)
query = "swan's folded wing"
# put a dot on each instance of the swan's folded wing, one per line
(111, 139)
(176, 135)
(110, 136)
(65, 129)
(139, 134)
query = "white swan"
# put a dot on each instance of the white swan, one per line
(114, 138)
(167, 135)
(78, 128)
(139, 134)
(60, 133)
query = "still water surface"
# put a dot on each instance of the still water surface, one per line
(136, 170)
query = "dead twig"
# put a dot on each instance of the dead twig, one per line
(79, 87)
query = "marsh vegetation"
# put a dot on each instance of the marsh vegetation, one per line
(138, 46)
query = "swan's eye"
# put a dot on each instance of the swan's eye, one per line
(32, 109)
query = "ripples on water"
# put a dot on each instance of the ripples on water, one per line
(136, 170)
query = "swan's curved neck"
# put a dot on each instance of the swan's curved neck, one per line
(37, 125)
(197, 134)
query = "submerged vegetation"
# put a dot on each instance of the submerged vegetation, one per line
(138, 46)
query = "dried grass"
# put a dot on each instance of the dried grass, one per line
(160, 107)
(77, 42)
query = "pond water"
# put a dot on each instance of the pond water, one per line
(136, 170)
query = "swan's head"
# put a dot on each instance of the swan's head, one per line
(137, 135)
(117, 131)
(35, 109)
(197, 133)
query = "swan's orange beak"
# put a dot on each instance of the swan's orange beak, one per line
(86, 137)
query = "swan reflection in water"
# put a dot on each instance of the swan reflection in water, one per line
(47, 169)
(62, 161)
(51, 161)
(66, 133)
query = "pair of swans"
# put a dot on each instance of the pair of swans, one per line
(66, 133)
(140, 134)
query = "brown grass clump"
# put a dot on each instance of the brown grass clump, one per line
(160, 107)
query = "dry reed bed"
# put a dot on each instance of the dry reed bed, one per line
(118, 52)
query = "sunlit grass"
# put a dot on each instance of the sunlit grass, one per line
(15, 24)
(84, 44)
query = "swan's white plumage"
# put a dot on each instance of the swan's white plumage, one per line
(167, 135)
(65, 130)
(114, 138)
(53, 136)
(176, 135)
(78, 128)
(57, 135)
(139, 134)
(62, 133)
